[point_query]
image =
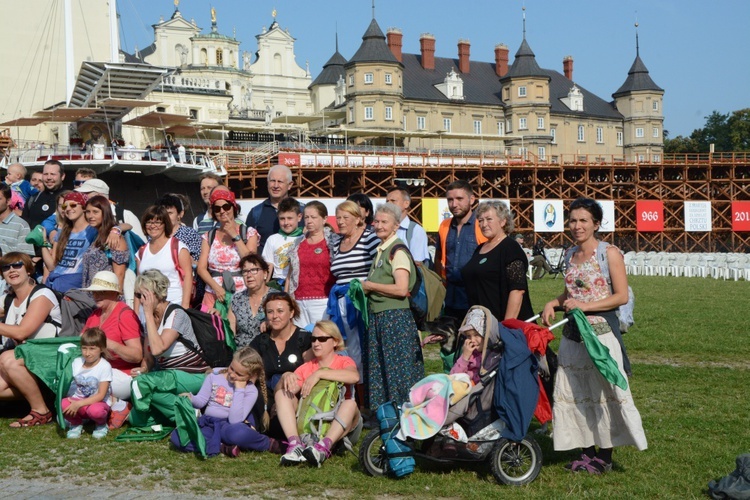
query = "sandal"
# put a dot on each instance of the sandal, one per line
(580, 462)
(594, 466)
(36, 419)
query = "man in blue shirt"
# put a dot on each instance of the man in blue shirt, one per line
(458, 237)
(264, 217)
(409, 231)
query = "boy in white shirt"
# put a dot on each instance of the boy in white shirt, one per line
(277, 247)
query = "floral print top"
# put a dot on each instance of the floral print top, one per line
(585, 282)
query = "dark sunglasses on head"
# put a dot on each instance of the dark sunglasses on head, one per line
(222, 208)
(321, 339)
(8, 267)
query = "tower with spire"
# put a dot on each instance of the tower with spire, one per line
(639, 100)
(329, 87)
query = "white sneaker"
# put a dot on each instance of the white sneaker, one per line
(316, 454)
(75, 432)
(293, 453)
(100, 431)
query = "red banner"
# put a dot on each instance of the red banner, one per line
(649, 216)
(740, 216)
(289, 159)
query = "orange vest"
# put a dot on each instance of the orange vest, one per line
(443, 236)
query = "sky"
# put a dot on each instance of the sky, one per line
(696, 50)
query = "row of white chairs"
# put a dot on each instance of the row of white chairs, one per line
(715, 265)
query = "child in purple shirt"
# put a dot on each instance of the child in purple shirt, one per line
(470, 360)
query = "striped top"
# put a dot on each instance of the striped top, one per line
(355, 263)
(13, 232)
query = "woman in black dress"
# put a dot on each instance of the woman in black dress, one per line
(495, 276)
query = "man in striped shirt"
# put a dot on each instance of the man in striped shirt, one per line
(13, 229)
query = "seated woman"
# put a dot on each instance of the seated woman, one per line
(32, 312)
(326, 365)
(247, 314)
(176, 369)
(230, 397)
(123, 332)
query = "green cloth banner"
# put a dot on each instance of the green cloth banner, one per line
(222, 307)
(358, 297)
(598, 352)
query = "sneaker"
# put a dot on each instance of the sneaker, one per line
(274, 446)
(100, 431)
(118, 417)
(293, 453)
(75, 432)
(316, 454)
(232, 451)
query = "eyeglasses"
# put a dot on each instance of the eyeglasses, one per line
(222, 208)
(154, 223)
(324, 338)
(72, 204)
(78, 183)
(8, 267)
(253, 271)
(138, 295)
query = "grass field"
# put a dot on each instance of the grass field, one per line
(690, 355)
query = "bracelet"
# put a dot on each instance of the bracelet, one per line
(116, 229)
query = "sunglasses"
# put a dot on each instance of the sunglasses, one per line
(71, 204)
(324, 338)
(222, 208)
(78, 183)
(8, 267)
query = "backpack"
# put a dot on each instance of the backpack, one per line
(9, 300)
(625, 311)
(400, 455)
(315, 413)
(75, 308)
(211, 336)
(212, 234)
(417, 293)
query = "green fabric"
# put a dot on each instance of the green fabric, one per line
(598, 352)
(222, 307)
(153, 396)
(359, 299)
(382, 272)
(297, 232)
(66, 353)
(187, 425)
(40, 357)
(144, 434)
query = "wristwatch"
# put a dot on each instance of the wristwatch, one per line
(236, 238)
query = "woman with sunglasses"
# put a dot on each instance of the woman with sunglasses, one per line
(247, 314)
(65, 259)
(327, 364)
(589, 411)
(224, 246)
(159, 254)
(102, 256)
(32, 312)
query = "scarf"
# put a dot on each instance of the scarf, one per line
(297, 232)
(598, 352)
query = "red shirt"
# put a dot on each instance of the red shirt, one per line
(340, 362)
(315, 278)
(120, 326)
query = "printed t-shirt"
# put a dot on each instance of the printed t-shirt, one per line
(86, 380)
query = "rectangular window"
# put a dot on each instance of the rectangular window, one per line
(193, 113)
(599, 135)
(368, 78)
(368, 113)
(351, 79)
(421, 123)
(500, 128)
(447, 124)
(641, 158)
(541, 152)
(522, 91)
(619, 138)
(553, 133)
(388, 79)
(657, 158)
(524, 152)
(655, 105)
(540, 123)
(388, 113)
(508, 126)
(655, 132)
(522, 124)
(351, 114)
(639, 132)
(581, 133)
(477, 127)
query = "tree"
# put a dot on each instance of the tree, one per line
(739, 130)
(727, 132)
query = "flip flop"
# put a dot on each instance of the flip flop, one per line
(36, 419)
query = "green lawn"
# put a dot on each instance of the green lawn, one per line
(690, 354)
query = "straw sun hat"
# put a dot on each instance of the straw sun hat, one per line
(104, 281)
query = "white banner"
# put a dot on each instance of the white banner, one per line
(697, 216)
(548, 216)
(608, 217)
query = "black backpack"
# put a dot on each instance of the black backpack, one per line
(417, 293)
(209, 331)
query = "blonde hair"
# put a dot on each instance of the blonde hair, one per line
(250, 359)
(352, 209)
(332, 330)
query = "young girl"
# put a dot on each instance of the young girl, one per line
(473, 331)
(230, 398)
(89, 394)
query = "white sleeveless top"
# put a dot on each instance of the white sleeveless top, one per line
(162, 261)
(15, 314)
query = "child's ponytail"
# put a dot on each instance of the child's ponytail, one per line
(250, 359)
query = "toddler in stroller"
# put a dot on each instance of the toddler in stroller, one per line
(487, 424)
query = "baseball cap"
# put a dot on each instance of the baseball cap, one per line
(94, 186)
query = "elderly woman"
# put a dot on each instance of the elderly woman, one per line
(351, 258)
(392, 355)
(313, 254)
(283, 346)
(247, 314)
(101, 256)
(589, 410)
(496, 274)
(326, 364)
(31, 312)
(159, 255)
(224, 246)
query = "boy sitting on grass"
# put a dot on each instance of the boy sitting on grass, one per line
(277, 247)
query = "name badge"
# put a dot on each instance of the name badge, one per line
(318, 251)
(380, 263)
(483, 260)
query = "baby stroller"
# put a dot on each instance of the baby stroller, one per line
(473, 430)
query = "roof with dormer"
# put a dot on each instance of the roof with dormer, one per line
(524, 63)
(638, 79)
(373, 48)
(332, 70)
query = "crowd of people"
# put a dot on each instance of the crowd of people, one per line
(305, 301)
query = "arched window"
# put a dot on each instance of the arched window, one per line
(219, 57)
(204, 57)
(277, 64)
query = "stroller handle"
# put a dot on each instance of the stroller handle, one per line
(552, 327)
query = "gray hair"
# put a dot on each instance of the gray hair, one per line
(390, 209)
(155, 282)
(282, 168)
(503, 212)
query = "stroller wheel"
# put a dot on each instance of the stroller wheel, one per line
(515, 463)
(372, 454)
